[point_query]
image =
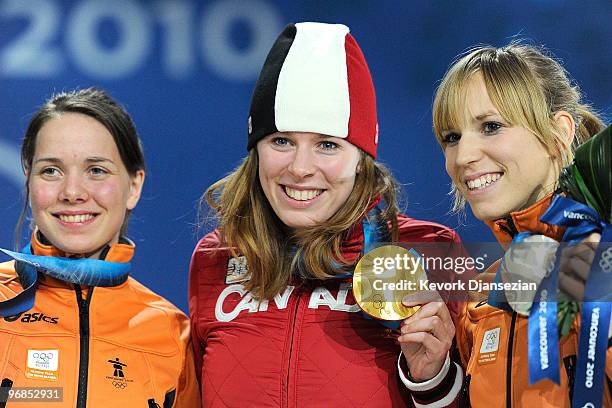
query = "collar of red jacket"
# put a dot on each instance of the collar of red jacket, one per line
(119, 252)
(527, 220)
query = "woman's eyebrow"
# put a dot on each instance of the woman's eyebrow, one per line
(48, 159)
(98, 159)
(93, 159)
(486, 115)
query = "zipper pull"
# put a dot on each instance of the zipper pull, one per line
(153, 404)
(510, 227)
(465, 391)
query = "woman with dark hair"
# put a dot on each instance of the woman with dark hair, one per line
(274, 320)
(73, 317)
(508, 120)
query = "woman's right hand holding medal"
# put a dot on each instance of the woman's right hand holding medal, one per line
(426, 336)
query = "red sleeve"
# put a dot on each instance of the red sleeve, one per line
(444, 390)
(193, 313)
(207, 244)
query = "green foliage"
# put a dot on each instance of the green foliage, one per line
(566, 314)
(587, 180)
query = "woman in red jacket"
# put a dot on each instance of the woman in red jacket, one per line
(274, 320)
(76, 326)
(508, 120)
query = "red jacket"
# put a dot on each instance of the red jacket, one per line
(309, 346)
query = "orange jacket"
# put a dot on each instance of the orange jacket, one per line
(498, 376)
(121, 346)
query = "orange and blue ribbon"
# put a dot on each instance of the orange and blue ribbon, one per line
(89, 272)
(581, 221)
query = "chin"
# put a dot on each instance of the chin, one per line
(298, 221)
(74, 250)
(299, 225)
(487, 214)
(77, 248)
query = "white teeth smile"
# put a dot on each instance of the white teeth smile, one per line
(76, 218)
(483, 181)
(302, 195)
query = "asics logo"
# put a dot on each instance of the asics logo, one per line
(32, 318)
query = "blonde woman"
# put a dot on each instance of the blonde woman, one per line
(507, 120)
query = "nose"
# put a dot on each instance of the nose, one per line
(469, 150)
(73, 190)
(302, 164)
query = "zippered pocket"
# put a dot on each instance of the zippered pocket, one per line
(6, 343)
(9, 366)
(168, 400)
(152, 403)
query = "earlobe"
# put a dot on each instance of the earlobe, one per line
(26, 174)
(136, 183)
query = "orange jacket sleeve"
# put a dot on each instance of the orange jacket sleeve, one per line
(188, 391)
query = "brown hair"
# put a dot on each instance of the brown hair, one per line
(98, 105)
(249, 225)
(528, 86)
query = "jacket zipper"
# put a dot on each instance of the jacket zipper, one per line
(5, 388)
(510, 228)
(512, 231)
(465, 391)
(84, 343)
(295, 312)
(569, 363)
(509, 365)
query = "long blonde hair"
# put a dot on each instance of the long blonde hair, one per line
(249, 226)
(527, 86)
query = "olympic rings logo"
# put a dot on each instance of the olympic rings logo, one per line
(378, 301)
(43, 356)
(606, 260)
(491, 338)
(119, 384)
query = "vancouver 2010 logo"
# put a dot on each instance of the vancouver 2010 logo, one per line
(118, 379)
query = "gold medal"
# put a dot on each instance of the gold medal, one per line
(383, 277)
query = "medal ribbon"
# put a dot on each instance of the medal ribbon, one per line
(543, 341)
(90, 272)
(373, 234)
(375, 231)
(543, 347)
(581, 221)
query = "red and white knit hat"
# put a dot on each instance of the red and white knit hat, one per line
(315, 79)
